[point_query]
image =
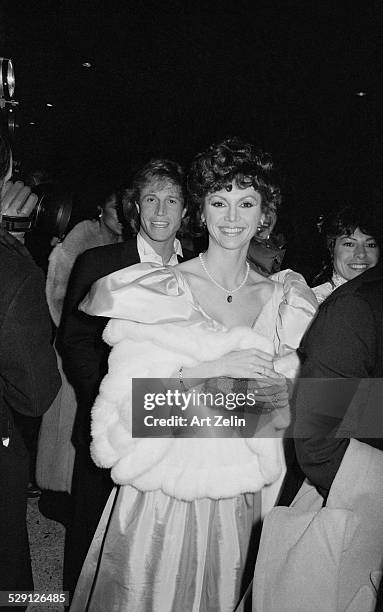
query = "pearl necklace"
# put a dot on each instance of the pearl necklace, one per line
(229, 291)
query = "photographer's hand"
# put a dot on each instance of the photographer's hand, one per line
(17, 200)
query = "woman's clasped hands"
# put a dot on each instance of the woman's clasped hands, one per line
(258, 368)
(248, 363)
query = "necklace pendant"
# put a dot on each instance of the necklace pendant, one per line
(229, 298)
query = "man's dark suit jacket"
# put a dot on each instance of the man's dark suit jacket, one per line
(343, 345)
(79, 339)
(85, 361)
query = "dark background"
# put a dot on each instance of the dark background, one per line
(170, 77)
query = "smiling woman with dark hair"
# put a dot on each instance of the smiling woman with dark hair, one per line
(234, 160)
(177, 535)
(353, 237)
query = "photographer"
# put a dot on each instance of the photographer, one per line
(29, 379)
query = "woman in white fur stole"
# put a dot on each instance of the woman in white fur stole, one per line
(175, 536)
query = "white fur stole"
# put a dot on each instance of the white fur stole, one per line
(186, 468)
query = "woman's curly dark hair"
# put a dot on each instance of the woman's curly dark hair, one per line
(343, 221)
(228, 161)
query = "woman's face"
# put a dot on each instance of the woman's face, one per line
(354, 254)
(232, 217)
(110, 217)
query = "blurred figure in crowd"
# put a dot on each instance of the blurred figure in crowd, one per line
(55, 456)
(39, 246)
(106, 228)
(153, 209)
(39, 243)
(267, 249)
(29, 379)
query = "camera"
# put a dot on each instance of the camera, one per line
(51, 214)
(53, 210)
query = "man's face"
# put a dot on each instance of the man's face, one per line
(161, 209)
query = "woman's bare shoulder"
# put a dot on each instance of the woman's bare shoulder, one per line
(191, 266)
(256, 278)
(261, 287)
(192, 272)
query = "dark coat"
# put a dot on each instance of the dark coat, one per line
(85, 361)
(29, 382)
(343, 345)
(29, 379)
(79, 339)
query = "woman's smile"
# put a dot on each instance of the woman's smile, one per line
(232, 217)
(231, 231)
(355, 254)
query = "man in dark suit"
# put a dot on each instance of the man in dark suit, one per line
(29, 379)
(155, 209)
(343, 345)
(340, 392)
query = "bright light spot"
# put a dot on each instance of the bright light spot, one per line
(48, 104)
(86, 65)
(361, 94)
(32, 123)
